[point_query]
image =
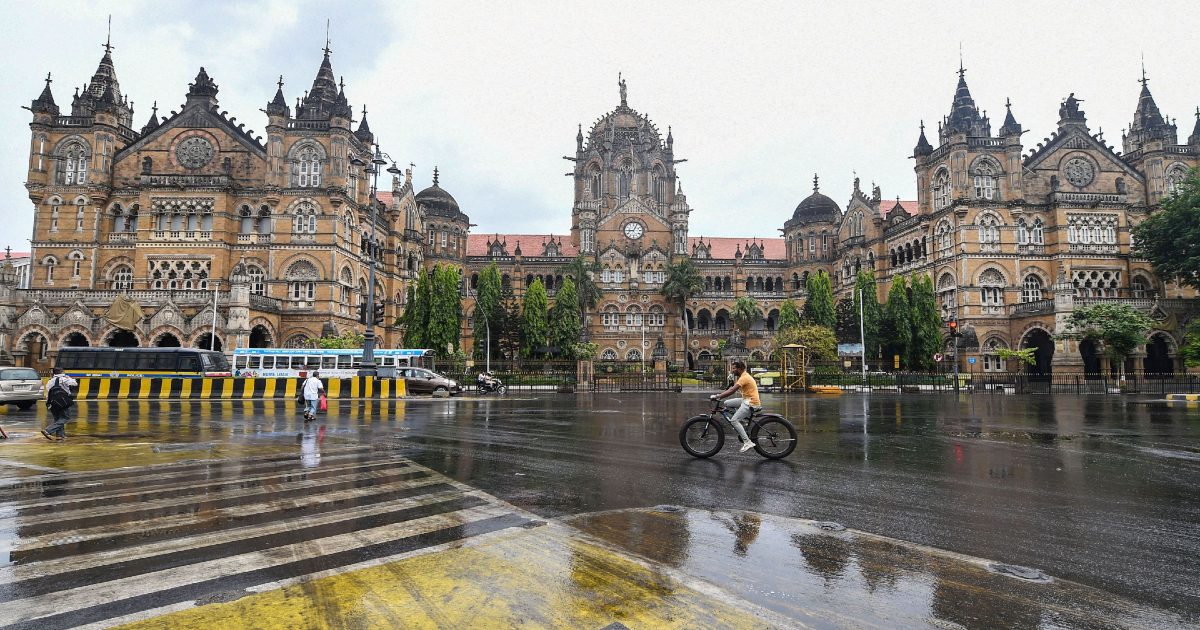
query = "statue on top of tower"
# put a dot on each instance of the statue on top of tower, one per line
(621, 83)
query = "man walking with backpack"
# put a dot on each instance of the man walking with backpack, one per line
(59, 399)
(312, 389)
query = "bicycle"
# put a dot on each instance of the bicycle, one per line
(773, 436)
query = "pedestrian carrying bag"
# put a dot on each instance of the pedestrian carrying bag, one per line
(59, 396)
(324, 406)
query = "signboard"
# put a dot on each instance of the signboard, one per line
(850, 349)
(971, 360)
(896, 358)
(937, 356)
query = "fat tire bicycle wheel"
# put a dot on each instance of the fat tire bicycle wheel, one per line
(503, 389)
(773, 437)
(701, 436)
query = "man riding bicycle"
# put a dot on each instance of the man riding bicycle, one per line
(747, 404)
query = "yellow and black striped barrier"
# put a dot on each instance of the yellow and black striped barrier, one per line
(107, 388)
(1191, 397)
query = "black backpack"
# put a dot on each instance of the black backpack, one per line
(59, 396)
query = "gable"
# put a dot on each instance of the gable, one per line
(1075, 140)
(632, 207)
(196, 117)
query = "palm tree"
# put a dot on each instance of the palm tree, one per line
(682, 283)
(583, 272)
(745, 313)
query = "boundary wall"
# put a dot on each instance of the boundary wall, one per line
(106, 388)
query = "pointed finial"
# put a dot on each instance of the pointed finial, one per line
(326, 48)
(108, 42)
(48, 79)
(1144, 80)
(342, 84)
(435, 176)
(922, 125)
(961, 69)
(280, 83)
(1008, 103)
(155, 108)
(364, 111)
(815, 187)
(1198, 113)
(8, 252)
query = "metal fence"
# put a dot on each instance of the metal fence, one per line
(633, 376)
(1003, 382)
(518, 376)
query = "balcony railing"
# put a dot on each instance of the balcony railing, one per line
(104, 298)
(1092, 248)
(207, 181)
(255, 239)
(1088, 198)
(1033, 308)
(123, 237)
(180, 235)
(265, 304)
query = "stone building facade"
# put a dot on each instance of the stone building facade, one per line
(194, 203)
(280, 227)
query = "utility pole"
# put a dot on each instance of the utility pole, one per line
(954, 335)
(368, 358)
(862, 336)
(212, 343)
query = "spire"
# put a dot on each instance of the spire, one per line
(964, 116)
(1194, 139)
(153, 123)
(579, 139)
(435, 176)
(1011, 126)
(45, 101)
(364, 131)
(324, 101)
(670, 138)
(1148, 122)
(278, 105)
(816, 187)
(923, 147)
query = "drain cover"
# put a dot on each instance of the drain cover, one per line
(1024, 573)
(666, 508)
(830, 526)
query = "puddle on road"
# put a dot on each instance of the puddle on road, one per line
(849, 579)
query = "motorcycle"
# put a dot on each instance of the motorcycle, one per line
(489, 384)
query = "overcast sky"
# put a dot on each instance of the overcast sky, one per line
(760, 95)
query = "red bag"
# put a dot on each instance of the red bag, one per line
(323, 406)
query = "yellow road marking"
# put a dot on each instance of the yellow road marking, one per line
(545, 577)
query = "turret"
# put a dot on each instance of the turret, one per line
(278, 105)
(1194, 139)
(1011, 126)
(923, 147)
(44, 103)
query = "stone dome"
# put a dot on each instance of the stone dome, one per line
(439, 203)
(817, 208)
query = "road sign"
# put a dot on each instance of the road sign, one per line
(937, 356)
(896, 358)
(971, 360)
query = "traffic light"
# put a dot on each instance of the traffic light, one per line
(362, 313)
(378, 320)
(954, 329)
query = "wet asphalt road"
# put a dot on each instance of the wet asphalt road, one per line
(1100, 490)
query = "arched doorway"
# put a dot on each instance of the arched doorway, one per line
(37, 349)
(122, 339)
(1091, 357)
(1040, 339)
(205, 342)
(75, 340)
(260, 337)
(167, 340)
(1158, 356)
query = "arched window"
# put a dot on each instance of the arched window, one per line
(1022, 232)
(1038, 231)
(1139, 287)
(633, 355)
(1031, 288)
(122, 278)
(625, 180)
(257, 278)
(633, 316)
(608, 355)
(247, 219)
(941, 190)
(305, 221)
(594, 182)
(947, 289)
(1175, 176)
(74, 165)
(660, 185)
(308, 168)
(656, 317)
(264, 220)
(302, 276)
(347, 285)
(610, 316)
(988, 230)
(76, 259)
(992, 291)
(50, 262)
(79, 214)
(983, 180)
(945, 238)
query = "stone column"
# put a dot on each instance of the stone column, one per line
(1066, 351)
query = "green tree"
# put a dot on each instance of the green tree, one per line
(564, 319)
(489, 312)
(510, 327)
(1170, 238)
(444, 327)
(818, 307)
(926, 324)
(896, 330)
(534, 325)
(847, 320)
(682, 283)
(871, 313)
(818, 341)
(789, 315)
(1119, 327)
(416, 315)
(347, 339)
(745, 313)
(583, 272)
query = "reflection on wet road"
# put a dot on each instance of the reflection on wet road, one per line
(164, 507)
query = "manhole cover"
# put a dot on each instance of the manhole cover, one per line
(1024, 573)
(830, 526)
(666, 508)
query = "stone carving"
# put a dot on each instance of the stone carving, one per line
(194, 152)
(1079, 172)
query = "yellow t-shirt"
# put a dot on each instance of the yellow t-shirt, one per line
(749, 389)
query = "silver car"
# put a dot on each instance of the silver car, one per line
(21, 387)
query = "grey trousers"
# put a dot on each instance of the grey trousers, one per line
(743, 411)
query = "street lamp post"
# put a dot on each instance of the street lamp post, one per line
(368, 358)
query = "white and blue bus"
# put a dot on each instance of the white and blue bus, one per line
(298, 362)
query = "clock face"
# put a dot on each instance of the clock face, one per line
(633, 230)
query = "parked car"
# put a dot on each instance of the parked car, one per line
(422, 381)
(21, 387)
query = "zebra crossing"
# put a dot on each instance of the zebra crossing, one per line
(94, 550)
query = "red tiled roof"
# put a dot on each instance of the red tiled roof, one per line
(19, 254)
(773, 248)
(385, 197)
(886, 206)
(531, 244)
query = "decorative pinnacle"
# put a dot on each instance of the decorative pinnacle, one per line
(961, 69)
(435, 176)
(280, 83)
(48, 81)
(364, 111)
(922, 125)
(108, 42)
(1144, 80)
(815, 187)
(1008, 103)
(326, 48)
(155, 108)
